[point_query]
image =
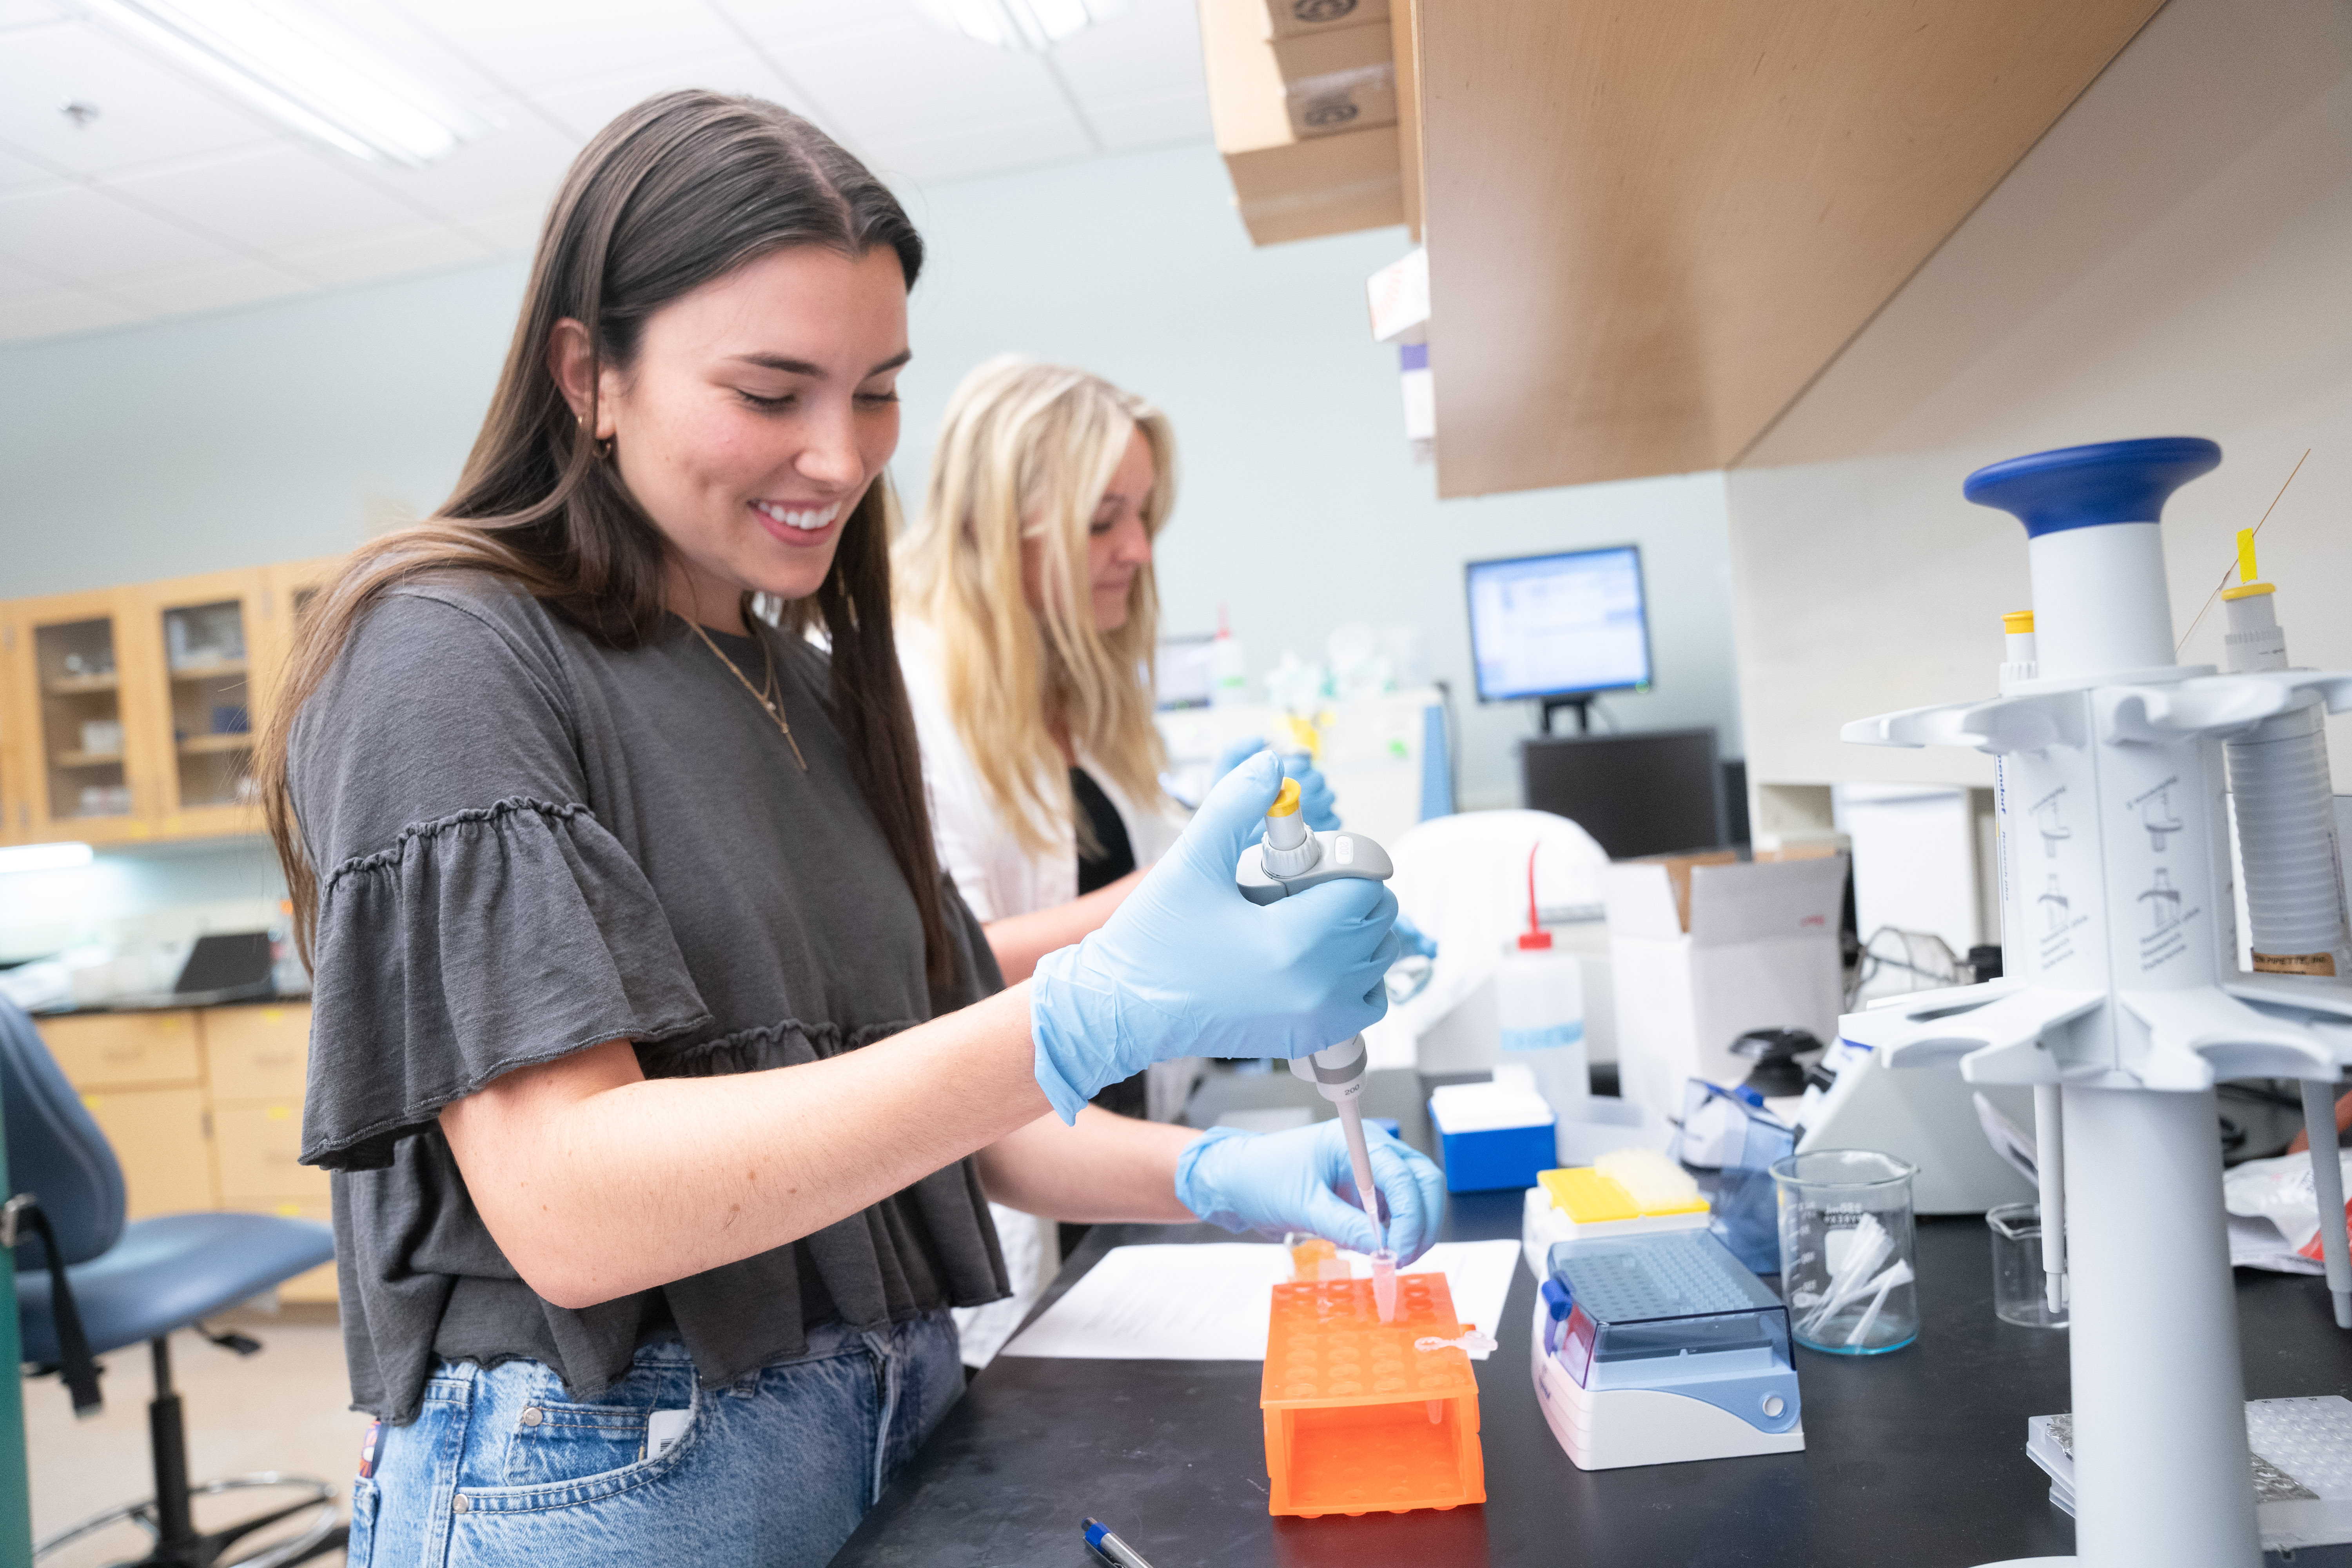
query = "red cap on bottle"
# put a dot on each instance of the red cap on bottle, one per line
(1535, 939)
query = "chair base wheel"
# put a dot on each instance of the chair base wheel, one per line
(210, 1549)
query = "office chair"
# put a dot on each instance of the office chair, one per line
(89, 1283)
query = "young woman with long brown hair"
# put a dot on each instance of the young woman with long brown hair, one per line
(661, 1074)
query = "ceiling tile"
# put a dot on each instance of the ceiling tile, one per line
(510, 231)
(980, 150)
(769, 21)
(146, 113)
(516, 166)
(1153, 51)
(16, 173)
(388, 253)
(56, 313)
(1135, 123)
(176, 291)
(87, 236)
(27, 13)
(909, 80)
(527, 44)
(16, 277)
(584, 107)
(269, 199)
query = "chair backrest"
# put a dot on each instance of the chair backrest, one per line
(55, 1149)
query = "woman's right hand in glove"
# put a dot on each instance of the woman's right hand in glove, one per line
(1187, 966)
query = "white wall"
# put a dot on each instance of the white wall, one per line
(2174, 258)
(261, 434)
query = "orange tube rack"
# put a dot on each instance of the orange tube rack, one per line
(1357, 1419)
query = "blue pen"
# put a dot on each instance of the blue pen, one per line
(1099, 1537)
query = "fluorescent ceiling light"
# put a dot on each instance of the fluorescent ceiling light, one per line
(44, 856)
(1032, 25)
(303, 71)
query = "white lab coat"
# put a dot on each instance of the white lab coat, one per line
(998, 878)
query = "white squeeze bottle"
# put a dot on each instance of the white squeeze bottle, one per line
(1539, 999)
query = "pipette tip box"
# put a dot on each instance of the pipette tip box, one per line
(1582, 1204)
(1491, 1136)
(1661, 1349)
(1358, 1419)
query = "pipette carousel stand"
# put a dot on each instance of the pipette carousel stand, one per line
(2132, 1005)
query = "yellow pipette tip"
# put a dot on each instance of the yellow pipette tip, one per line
(1286, 803)
(2246, 587)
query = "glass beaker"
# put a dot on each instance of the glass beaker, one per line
(1848, 1264)
(2020, 1288)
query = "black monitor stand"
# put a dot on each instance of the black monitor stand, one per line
(1583, 705)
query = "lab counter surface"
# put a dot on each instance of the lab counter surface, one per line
(1916, 1458)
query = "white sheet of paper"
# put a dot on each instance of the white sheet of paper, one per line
(1178, 1302)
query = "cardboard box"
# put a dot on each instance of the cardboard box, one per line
(1747, 946)
(1293, 19)
(1338, 79)
(1286, 187)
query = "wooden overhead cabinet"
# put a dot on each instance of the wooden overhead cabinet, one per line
(1651, 223)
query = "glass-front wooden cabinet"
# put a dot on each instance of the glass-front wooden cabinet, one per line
(79, 725)
(205, 630)
(132, 713)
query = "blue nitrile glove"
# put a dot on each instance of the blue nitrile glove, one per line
(1300, 1180)
(1187, 966)
(1413, 940)
(1315, 798)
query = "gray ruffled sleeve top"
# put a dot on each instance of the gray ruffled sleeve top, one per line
(528, 844)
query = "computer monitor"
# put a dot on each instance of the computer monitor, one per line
(1654, 794)
(1559, 628)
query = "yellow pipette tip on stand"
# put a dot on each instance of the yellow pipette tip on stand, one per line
(2246, 587)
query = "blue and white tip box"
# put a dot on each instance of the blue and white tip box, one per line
(1492, 1136)
(1658, 1350)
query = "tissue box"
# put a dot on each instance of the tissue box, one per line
(1491, 1136)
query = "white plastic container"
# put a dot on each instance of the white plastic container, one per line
(1540, 1002)
(1540, 1005)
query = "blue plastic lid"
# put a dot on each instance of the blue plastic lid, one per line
(2089, 486)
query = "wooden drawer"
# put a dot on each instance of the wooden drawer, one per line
(258, 1053)
(256, 1144)
(115, 1050)
(316, 1285)
(159, 1141)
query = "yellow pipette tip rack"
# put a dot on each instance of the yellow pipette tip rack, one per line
(2246, 586)
(1286, 803)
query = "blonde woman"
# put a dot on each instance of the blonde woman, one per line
(1028, 616)
(1027, 619)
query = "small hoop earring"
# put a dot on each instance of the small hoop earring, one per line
(604, 449)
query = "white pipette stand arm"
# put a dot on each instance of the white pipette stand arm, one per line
(2128, 1007)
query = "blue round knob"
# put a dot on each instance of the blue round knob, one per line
(2090, 487)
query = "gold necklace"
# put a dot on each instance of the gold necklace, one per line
(772, 703)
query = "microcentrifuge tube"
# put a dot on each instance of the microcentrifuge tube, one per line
(1384, 1288)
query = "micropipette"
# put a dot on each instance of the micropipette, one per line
(1289, 860)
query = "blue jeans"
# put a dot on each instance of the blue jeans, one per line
(501, 1468)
